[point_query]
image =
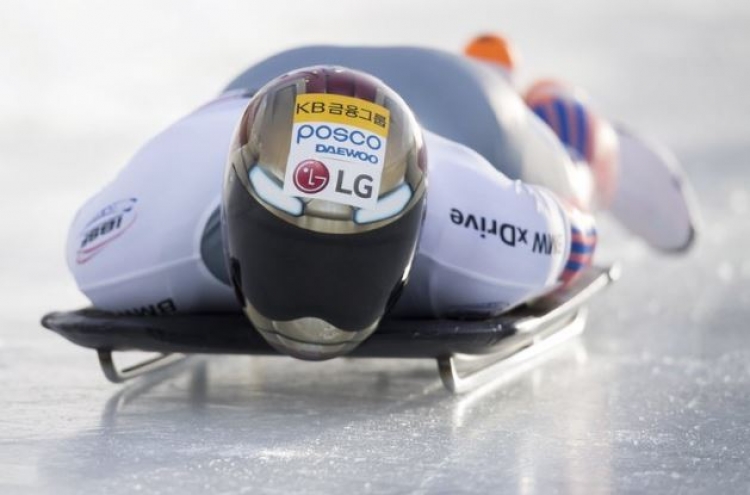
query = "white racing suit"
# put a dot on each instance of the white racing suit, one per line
(150, 241)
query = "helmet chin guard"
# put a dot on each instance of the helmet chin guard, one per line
(323, 202)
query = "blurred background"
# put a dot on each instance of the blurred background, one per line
(654, 397)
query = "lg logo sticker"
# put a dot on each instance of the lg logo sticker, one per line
(311, 176)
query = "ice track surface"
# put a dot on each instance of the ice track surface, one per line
(653, 398)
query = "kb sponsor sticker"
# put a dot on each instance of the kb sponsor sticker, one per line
(338, 149)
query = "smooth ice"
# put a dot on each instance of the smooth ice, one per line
(654, 397)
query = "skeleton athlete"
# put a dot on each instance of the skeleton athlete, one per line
(327, 186)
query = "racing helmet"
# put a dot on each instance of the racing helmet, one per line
(322, 205)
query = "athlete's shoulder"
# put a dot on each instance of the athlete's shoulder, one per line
(446, 157)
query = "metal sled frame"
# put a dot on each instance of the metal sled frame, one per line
(461, 372)
(115, 375)
(469, 353)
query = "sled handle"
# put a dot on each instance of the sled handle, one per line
(116, 375)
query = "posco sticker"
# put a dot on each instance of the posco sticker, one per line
(338, 149)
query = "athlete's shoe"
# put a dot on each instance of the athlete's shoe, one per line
(639, 182)
(494, 49)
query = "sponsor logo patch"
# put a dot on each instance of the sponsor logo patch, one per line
(544, 243)
(160, 308)
(108, 224)
(311, 176)
(338, 149)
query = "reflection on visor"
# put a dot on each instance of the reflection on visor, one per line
(388, 206)
(272, 193)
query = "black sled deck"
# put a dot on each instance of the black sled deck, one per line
(469, 353)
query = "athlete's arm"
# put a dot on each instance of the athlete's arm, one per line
(488, 243)
(137, 245)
